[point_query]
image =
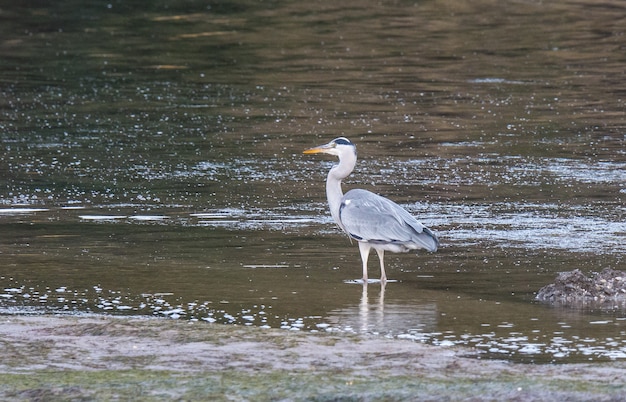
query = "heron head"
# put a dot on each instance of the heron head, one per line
(337, 147)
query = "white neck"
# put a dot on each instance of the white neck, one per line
(334, 193)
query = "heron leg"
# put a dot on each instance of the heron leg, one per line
(364, 248)
(381, 258)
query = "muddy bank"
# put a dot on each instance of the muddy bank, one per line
(60, 358)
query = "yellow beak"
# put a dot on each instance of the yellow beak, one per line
(321, 149)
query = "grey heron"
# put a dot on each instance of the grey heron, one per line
(373, 221)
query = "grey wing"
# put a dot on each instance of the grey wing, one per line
(370, 217)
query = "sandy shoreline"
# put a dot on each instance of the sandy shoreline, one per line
(53, 344)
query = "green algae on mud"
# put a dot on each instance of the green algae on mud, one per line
(104, 358)
(141, 384)
(282, 385)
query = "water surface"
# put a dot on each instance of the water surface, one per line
(151, 164)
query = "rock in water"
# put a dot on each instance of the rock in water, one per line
(574, 288)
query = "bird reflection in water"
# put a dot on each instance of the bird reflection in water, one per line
(376, 315)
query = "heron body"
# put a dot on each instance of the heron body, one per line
(373, 221)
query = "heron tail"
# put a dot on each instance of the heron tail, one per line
(429, 240)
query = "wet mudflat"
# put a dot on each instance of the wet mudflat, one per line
(152, 165)
(105, 358)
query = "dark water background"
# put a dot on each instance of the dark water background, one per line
(151, 163)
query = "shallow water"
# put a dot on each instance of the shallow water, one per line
(152, 164)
